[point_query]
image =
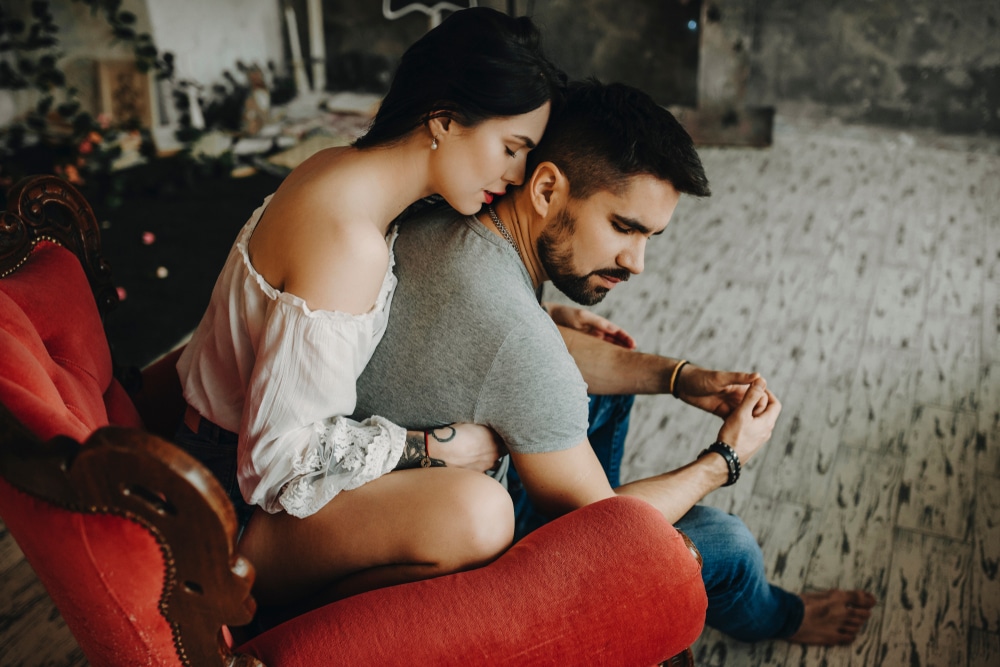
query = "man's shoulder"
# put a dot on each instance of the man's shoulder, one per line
(428, 213)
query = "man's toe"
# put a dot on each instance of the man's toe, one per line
(861, 599)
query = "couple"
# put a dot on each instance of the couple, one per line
(301, 387)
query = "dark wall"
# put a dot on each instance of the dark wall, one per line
(905, 63)
(646, 44)
(650, 45)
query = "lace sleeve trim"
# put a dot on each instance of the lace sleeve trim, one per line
(342, 455)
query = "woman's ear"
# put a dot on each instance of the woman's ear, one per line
(548, 190)
(439, 126)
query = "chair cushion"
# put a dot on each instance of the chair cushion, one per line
(56, 372)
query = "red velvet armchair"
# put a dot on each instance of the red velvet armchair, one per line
(134, 540)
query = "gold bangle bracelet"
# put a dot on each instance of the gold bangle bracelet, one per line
(673, 377)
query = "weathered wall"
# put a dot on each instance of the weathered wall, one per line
(908, 63)
(650, 45)
(362, 47)
(647, 44)
(209, 36)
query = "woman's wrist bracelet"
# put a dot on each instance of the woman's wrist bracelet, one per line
(415, 453)
(731, 457)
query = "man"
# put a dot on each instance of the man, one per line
(467, 341)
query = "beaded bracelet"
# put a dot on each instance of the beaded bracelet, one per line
(732, 459)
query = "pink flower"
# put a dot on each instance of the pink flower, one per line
(122, 294)
(148, 238)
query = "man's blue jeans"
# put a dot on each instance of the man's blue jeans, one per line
(741, 602)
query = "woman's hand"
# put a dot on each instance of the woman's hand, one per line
(750, 425)
(718, 392)
(587, 322)
(469, 446)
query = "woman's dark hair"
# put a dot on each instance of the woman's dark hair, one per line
(478, 64)
(607, 133)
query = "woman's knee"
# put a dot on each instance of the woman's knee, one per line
(481, 523)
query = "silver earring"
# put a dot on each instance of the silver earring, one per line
(434, 144)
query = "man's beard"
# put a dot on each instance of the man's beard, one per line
(557, 260)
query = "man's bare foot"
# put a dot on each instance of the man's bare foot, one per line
(833, 617)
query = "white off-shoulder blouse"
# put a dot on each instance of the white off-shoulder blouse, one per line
(262, 364)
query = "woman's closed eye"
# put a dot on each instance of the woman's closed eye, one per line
(511, 153)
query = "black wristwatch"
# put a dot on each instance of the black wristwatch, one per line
(732, 459)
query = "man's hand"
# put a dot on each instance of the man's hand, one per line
(750, 425)
(589, 323)
(718, 392)
(469, 446)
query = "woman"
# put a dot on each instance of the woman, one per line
(303, 300)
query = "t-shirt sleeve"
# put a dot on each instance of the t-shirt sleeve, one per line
(534, 396)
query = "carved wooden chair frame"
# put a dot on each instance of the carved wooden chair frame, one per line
(128, 472)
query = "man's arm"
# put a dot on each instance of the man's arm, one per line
(559, 482)
(612, 369)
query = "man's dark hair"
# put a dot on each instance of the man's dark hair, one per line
(606, 133)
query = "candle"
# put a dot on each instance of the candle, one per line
(301, 81)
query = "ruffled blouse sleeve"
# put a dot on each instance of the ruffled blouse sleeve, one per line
(297, 450)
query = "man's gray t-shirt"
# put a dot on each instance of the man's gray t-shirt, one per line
(467, 341)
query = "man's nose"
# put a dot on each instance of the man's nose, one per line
(633, 258)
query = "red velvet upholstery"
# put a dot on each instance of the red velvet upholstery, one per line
(104, 573)
(55, 370)
(609, 584)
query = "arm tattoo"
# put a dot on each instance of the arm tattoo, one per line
(415, 453)
(447, 438)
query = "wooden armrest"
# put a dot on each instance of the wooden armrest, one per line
(132, 474)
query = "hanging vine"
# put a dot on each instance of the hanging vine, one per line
(56, 127)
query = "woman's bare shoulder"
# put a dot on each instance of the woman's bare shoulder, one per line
(317, 240)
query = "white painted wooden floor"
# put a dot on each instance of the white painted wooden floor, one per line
(858, 269)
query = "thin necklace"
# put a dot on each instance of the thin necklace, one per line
(502, 228)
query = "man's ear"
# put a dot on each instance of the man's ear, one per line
(548, 189)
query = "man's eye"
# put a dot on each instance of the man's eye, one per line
(622, 229)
